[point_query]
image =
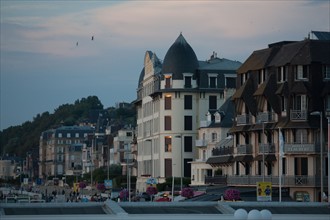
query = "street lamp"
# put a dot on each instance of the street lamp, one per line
(181, 158)
(321, 150)
(263, 150)
(329, 159)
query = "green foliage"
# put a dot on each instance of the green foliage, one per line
(18, 140)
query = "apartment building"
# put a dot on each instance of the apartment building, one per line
(173, 97)
(283, 89)
(214, 141)
(60, 150)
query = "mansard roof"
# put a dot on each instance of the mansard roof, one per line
(180, 58)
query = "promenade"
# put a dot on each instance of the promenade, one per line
(159, 210)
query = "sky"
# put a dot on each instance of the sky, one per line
(42, 67)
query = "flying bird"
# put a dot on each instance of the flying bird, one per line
(77, 43)
(92, 37)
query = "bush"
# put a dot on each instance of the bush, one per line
(123, 194)
(232, 194)
(151, 190)
(187, 192)
(82, 185)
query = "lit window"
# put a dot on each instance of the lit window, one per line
(168, 144)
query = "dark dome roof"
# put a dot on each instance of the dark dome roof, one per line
(141, 77)
(180, 58)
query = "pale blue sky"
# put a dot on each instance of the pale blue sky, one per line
(42, 68)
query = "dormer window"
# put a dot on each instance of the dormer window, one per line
(187, 81)
(168, 82)
(217, 117)
(212, 80)
(282, 74)
(302, 72)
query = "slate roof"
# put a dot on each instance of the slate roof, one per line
(227, 109)
(303, 53)
(180, 58)
(322, 35)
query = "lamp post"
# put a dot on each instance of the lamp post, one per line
(263, 150)
(321, 150)
(181, 159)
(329, 160)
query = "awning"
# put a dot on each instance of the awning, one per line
(220, 160)
(268, 157)
(244, 158)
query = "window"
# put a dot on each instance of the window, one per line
(283, 104)
(188, 143)
(300, 166)
(247, 168)
(260, 76)
(283, 166)
(302, 72)
(214, 137)
(269, 168)
(188, 102)
(282, 74)
(300, 136)
(128, 134)
(168, 167)
(212, 82)
(168, 82)
(168, 123)
(168, 144)
(327, 103)
(77, 135)
(187, 81)
(187, 167)
(68, 135)
(237, 167)
(326, 71)
(300, 102)
(212, 102)
(168, 102)
(187, 122)
(59, 135)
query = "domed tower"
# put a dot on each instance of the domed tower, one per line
(179, 59)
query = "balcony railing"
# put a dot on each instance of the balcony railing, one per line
(222, 151)
(244, 119)
(244, 149)
(201, 143)
(287, 181)
(298, 115)
(301, 148)
(266, 148)
(265, 117)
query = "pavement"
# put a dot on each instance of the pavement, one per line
(159, 210)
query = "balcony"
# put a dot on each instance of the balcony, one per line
(243, 119)
(222, 180)
(287, 181)
(244, 149)
(265, 117)
(201, 143)
(298, 115)
(301, 148)
(266, 148)
(222, 151)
